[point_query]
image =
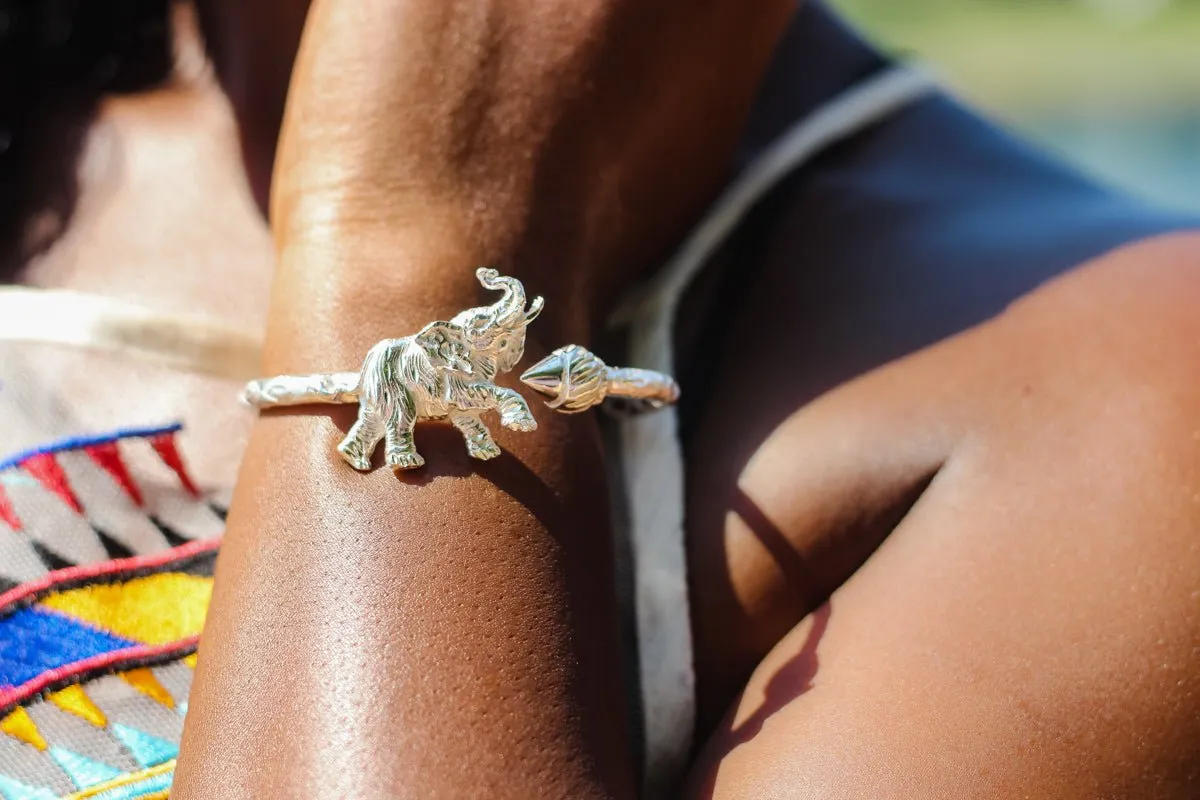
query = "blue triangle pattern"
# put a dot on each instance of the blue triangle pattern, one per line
(82, 771)
(11, 790)
(36, 640)
(149, 751)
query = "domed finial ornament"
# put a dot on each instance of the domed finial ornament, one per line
(575, 380)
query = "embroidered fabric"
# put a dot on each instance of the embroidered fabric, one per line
(107, 548)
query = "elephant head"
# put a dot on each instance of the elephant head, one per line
(497, 332)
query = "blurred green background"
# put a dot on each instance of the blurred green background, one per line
(1113, 85)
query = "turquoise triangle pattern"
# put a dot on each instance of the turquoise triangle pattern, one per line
(82, 771)
(11, 790)
(149, 751)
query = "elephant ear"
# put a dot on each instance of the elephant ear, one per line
(447, 346)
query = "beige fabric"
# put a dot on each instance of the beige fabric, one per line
(101, 323)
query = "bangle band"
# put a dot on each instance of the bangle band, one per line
(446, 371)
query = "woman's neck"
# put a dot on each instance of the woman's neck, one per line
(164, 216)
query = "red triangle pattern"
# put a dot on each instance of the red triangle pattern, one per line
(7, 512)
(46, 470)
(164, 445)
(107, 456)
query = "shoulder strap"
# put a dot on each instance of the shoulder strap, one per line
(651, 458)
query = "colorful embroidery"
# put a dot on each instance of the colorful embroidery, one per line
(100, 781)
(108, 457)
(7, 515)
(45, 469)
(143, 762)
(96, 656)
(84, 442)
(148, 784)
(20, 725)
(62, 631)
(41, 464)
(192, 558)
(144, 681)
(164, 444)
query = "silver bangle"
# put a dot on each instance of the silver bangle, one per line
(447, 371)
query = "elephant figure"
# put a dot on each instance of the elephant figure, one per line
(445, 371)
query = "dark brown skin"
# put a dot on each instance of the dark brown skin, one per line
(451, 633)
(1029, 628)
(252, 47)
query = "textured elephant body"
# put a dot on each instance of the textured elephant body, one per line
(402, 371)
(446, 371)
(443, 372)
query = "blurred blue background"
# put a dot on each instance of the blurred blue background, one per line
(1112, 85)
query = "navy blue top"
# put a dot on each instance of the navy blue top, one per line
(914, 229)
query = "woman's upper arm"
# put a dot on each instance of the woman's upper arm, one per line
(1029, 626)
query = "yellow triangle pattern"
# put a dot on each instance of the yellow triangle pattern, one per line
(155, 609)
(190, 660)
(20, 725)
(144, 681)
(75, 701)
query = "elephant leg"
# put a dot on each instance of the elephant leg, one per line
(400, 451)
(480, 443)
(362, 439)
(514, 411)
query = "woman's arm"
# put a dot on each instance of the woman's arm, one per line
(1029, 628)
(451, 632)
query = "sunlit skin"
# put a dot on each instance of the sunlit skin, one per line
(1027, 628)
(478, 628)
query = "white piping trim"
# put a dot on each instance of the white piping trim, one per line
(193, 344)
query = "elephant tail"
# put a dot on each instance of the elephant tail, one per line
(298, 390)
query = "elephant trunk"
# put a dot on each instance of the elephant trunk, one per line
(509, 311)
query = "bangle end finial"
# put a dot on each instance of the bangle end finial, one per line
(575, 380)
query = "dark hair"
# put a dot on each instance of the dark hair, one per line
(57, 59)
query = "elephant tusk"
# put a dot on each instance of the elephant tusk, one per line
(535, 308)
